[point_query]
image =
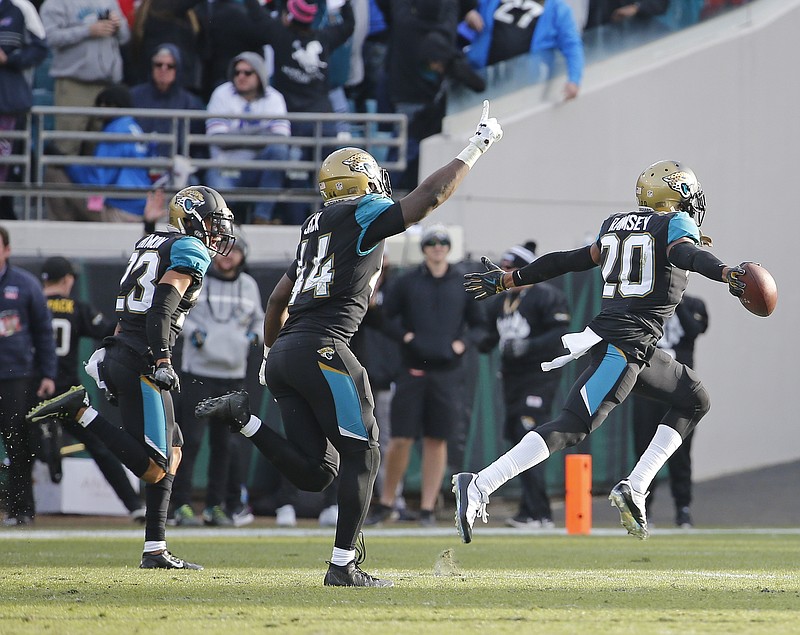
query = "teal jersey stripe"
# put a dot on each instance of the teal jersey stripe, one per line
(155, 421)
(604, 378)
(369, 208)
(682, 226)
(190, 252)
(347, 402)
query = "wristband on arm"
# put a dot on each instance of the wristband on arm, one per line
(470, 155)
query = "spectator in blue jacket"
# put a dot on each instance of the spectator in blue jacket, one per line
(27, 355)
(117, 209)
(539, 28)
(22, 47)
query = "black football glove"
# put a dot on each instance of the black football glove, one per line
(482, 285)
(735, 286)
(166, 378)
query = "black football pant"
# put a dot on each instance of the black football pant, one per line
(327, 406)
(608, 381)
(149, 430)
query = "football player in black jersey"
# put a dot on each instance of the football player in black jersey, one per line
(645, 256)
(321, 388)
(159, 287)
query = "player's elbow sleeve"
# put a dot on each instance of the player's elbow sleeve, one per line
(554, 264)
(166, 300)
(690, 257)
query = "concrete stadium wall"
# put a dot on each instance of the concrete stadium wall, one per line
(720, 96)
(34, 239)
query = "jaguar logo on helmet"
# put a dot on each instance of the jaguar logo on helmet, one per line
(680, 182)
(189, 199)
(362, 163)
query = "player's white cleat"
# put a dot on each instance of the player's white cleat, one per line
(631, 506)
(471, 502)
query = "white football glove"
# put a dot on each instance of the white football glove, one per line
(262, 372)
(488, 132)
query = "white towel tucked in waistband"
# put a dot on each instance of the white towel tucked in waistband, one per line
(91, 367)
(578, 344)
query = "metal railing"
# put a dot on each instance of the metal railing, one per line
(383, 135)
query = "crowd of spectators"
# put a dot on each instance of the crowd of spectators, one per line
(317, 57)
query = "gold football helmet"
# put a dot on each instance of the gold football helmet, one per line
(349, 173)
(189, 210)
(670, 186)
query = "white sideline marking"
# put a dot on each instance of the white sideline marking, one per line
(13, 533)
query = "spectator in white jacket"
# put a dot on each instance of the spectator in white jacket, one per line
(248, 93)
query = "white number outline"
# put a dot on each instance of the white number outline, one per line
(612, 252)
(140, 298)
(320, 278)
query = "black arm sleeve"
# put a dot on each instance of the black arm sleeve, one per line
(554, 264)
(157, 325)
(690, 257)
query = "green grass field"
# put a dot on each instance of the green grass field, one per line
(255, 583)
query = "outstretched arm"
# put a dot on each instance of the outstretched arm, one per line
(440, 185)
(555, 264)
(494, 280)
(686, 255)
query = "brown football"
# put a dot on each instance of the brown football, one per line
(761, 293)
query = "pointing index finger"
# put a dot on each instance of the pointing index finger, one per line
(485, 113)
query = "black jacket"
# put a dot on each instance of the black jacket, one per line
(437, 311)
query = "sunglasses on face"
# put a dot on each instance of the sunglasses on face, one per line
(166, 65)
(243, 71)
(434, 243)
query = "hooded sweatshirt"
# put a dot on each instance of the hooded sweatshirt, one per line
(226, 103)
(228, 312)
(146, 95)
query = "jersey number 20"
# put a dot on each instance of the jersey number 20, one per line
(631, 261)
